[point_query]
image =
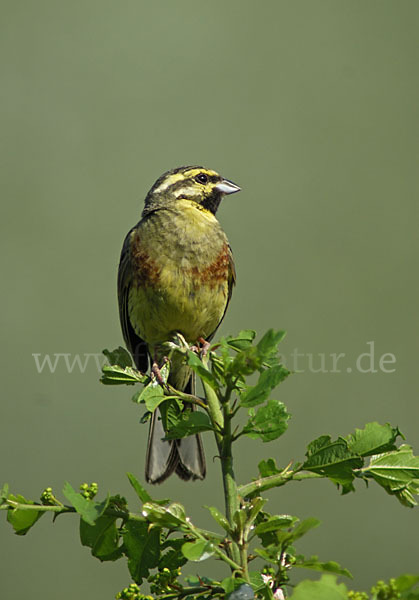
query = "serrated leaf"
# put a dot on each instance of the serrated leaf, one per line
(219, 517)
(333, 460)
(373, 439)
(268, 380)
(397, 472)
(198, 550)
(325, 589)
(119, 356)
(22, 519)
(102, 538)
(89, 510)
(190, 423)
(142, 494)
(325, 567)
(142, 547)
(199, 368)
(269, 422)
(243, 340)
(115, 375)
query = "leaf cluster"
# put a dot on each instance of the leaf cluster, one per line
(157, 539)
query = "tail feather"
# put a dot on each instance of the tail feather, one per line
(185, 457)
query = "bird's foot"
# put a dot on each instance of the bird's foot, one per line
(205, 346)
(156, 372)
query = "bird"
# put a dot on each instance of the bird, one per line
(176, 276)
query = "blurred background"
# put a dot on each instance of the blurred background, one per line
(312, 108)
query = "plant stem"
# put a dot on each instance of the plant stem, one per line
(111, 512)
(231, 499)
(266, 483)
(214, 411)
(221, 418)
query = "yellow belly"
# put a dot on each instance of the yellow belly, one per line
(186, 306)
(181, 272)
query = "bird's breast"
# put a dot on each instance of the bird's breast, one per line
(181, 273)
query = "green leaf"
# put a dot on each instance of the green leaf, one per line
(142, 547)
(219, 517)
(119, 356)
(198, 550)
(173, 558)
(115, 375)
(324, 589)
(268, 345)
(190, 423)
(89, 510)
(172, 516)
(303, 527)
(404, 583)
(243, 340)
(268, 380)
(229, 584)
(142, 494)
(245, 362)
(373, 439)
(397, 472)
(199, 368)
(152, 395)
(256, 580)
(254, 508)
(269, 422)
(268, 468)
(325, 567)
(22, 519)
(239, 519)
(102, 538)
(274, 523)
(4, 492)
(333, 460)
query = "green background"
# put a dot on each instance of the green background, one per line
(312, 108)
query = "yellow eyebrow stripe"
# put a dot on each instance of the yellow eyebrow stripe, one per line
(193, 172)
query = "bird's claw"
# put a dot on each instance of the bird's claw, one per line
(157, 374)
(205, 346)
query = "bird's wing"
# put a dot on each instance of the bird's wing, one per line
(134, 343)
(231, 284)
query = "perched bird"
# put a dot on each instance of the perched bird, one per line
(176, 275)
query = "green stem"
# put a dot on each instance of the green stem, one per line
(243, 561)
(266, 483)
(235, 566)
(221, 418)
(214, 411)
(111, 512)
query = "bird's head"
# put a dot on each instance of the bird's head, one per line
(201, 185)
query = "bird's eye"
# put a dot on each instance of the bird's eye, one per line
(201, 178)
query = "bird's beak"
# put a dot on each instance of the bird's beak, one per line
(227, 187)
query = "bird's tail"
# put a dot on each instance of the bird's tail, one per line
(185, 457)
